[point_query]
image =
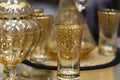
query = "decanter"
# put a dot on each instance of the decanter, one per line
(88, 44)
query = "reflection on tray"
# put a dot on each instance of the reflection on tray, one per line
(93, 61)
(94, 58)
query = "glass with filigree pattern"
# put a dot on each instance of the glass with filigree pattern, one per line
(68, 29)
(40, 54)
(108, 23)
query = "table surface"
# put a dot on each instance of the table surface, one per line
(29, 73)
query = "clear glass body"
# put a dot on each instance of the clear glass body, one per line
(108, 23)
(19, 34)
(68, 35)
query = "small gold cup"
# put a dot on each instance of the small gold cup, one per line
(40, 55)
(108, 23)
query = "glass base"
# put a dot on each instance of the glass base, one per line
(68, 74)
(39, 59)
(67, 78)
(107, 53)
(107, 50)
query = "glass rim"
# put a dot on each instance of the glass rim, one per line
(38, 10)
(45, 16)
(108, 11)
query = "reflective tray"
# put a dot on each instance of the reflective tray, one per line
(93, 61)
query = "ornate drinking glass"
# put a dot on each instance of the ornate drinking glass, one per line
(68, 29)
(19, 34)
(108, 23)
(40, 54)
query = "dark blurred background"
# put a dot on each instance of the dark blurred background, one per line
(49, 6)
(90, 12)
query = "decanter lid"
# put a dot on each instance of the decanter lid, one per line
(15, 8)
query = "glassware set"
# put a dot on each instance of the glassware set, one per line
(29, 33)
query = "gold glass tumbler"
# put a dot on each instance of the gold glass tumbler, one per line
(40, 55)
(108, 23)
